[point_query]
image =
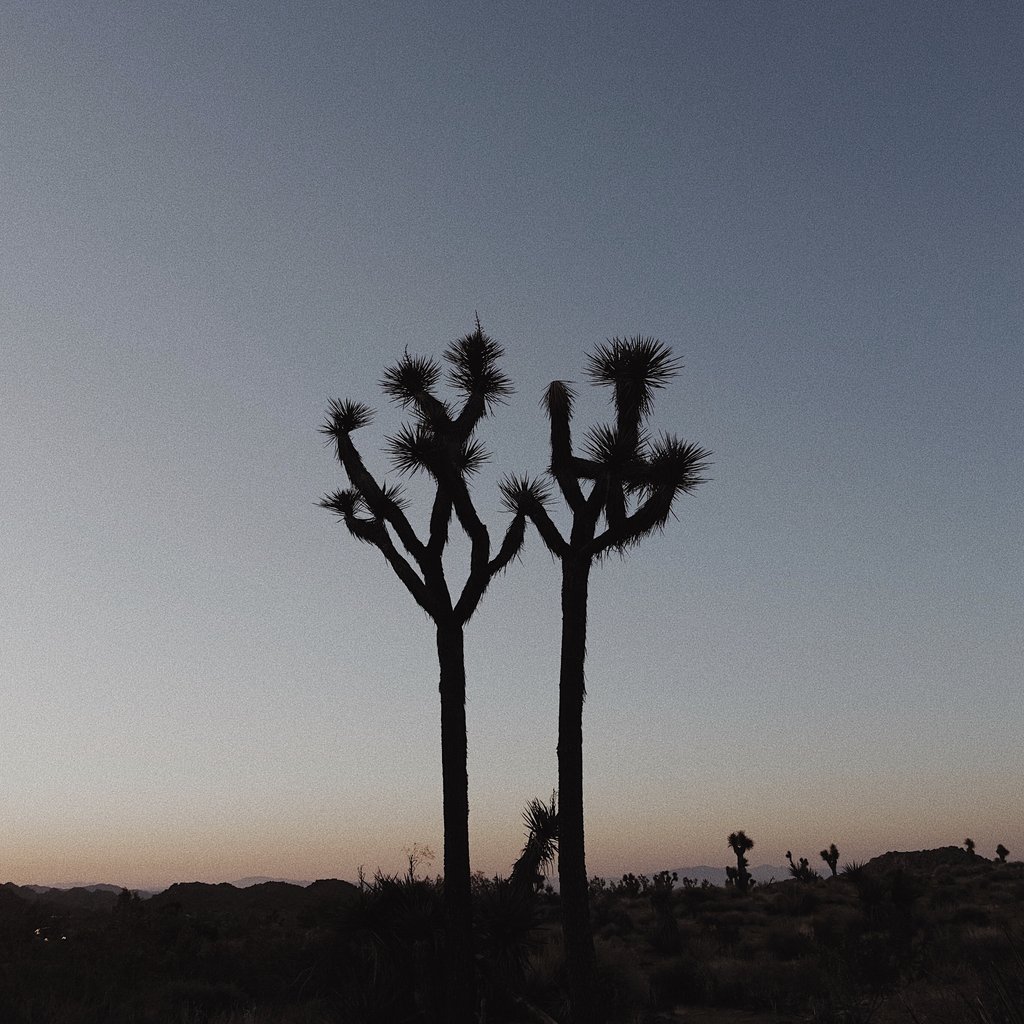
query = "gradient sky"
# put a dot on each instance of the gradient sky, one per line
(216, 216)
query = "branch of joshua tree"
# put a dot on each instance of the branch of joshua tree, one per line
(465, 512)
(406, 573)
(346, 504)
(530, 496)
(510, 546)
(479, 579)
(473, 370)
(615, 507)
(670, 460)
(345, 416)
(440, 517)
(558, 401)
(411, 382)
(379, 503)
(636, 368)
(651, 515)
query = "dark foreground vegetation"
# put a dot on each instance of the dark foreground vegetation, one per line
(936, 936)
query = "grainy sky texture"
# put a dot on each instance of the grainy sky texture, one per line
(216, 216)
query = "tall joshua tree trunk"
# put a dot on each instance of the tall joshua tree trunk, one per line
(440, 442)
(458, 906)
(572, 866)
(623, 491)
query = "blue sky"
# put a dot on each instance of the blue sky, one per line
(218, 216)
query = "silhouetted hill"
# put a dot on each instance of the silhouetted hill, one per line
(79, 897)
(923, 861)
(331, 888)
(246, 883)
(262, 898)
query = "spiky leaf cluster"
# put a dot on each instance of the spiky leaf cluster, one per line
(635, 368)
(345, 416)
(473, 368)
(351, 503)
(344, 503)
(559, 398)
(417, 447)
(521, 493)
(615, 451)
(676, 464)
(410, 379)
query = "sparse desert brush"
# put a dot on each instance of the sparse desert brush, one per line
(663, 934)
(784, 986)
(623, 988)
(682, 980)
(761, 984)
(837, 927)
(786, 940)
(983, 945)
(692, 899)
(544, 983)
(612, 917)
(970, 915)
(793, 899)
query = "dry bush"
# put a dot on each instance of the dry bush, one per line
(786, 940)
(623, 986)
(838, 926)
(681, 980)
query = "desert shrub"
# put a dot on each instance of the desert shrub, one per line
(761, 984)
(785, 941)
(204, 997)
(873, 962)
(726, 929)
(631, 886)
(726, 981)
(663, 935)
(983, 946)
(786, 986)
(681, 980)
(545, 975)
(971, 915)
(837, 927)
(793, 900)
(622, 986)
(611, 919)
(506, 921)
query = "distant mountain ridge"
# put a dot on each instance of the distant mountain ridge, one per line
(222, 897)
(245, 883)
(100, 894)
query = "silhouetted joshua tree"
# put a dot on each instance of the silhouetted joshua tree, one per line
(969, 846)
(741, 844)
(541, 846)
(620, 492)
(440, 442)
(831, 858)
(1002, 853)
(802, 871)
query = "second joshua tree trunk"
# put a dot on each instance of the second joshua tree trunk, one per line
(633, 484)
